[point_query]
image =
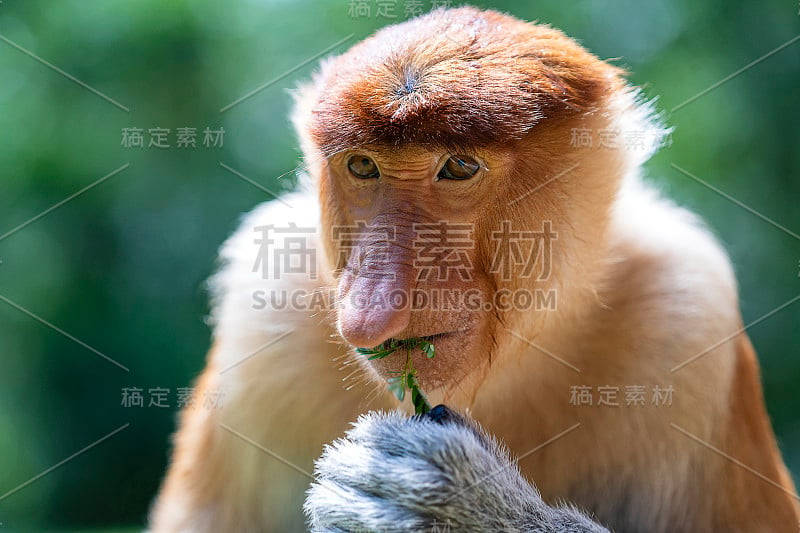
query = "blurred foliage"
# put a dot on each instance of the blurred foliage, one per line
(122, 266)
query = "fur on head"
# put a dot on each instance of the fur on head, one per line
(458, 77)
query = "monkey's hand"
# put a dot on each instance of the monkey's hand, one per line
(436, 472)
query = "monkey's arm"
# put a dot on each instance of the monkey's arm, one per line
(438, 472)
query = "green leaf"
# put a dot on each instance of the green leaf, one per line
(397, 387)
(378, 352)
(381, 355)
(421, 405)
(429, 350)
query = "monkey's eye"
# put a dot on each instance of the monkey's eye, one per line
(363, 167)
(459, 167)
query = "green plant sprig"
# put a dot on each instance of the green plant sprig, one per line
(406, 378)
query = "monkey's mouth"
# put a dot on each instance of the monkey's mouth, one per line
(417, 344)
(429, 338)
(432, 338)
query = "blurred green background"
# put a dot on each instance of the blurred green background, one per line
(122, 266)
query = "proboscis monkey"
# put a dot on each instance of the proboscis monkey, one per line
(591, 326)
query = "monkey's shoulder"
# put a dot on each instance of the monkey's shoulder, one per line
(668, 269)
(270, 269)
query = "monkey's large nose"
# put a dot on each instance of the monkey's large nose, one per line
(372, 311)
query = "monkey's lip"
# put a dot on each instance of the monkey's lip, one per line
(432, 338)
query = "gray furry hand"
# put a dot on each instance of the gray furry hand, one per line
(436, 472)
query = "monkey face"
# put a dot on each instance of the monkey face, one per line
(428, 141)
(402, 232)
